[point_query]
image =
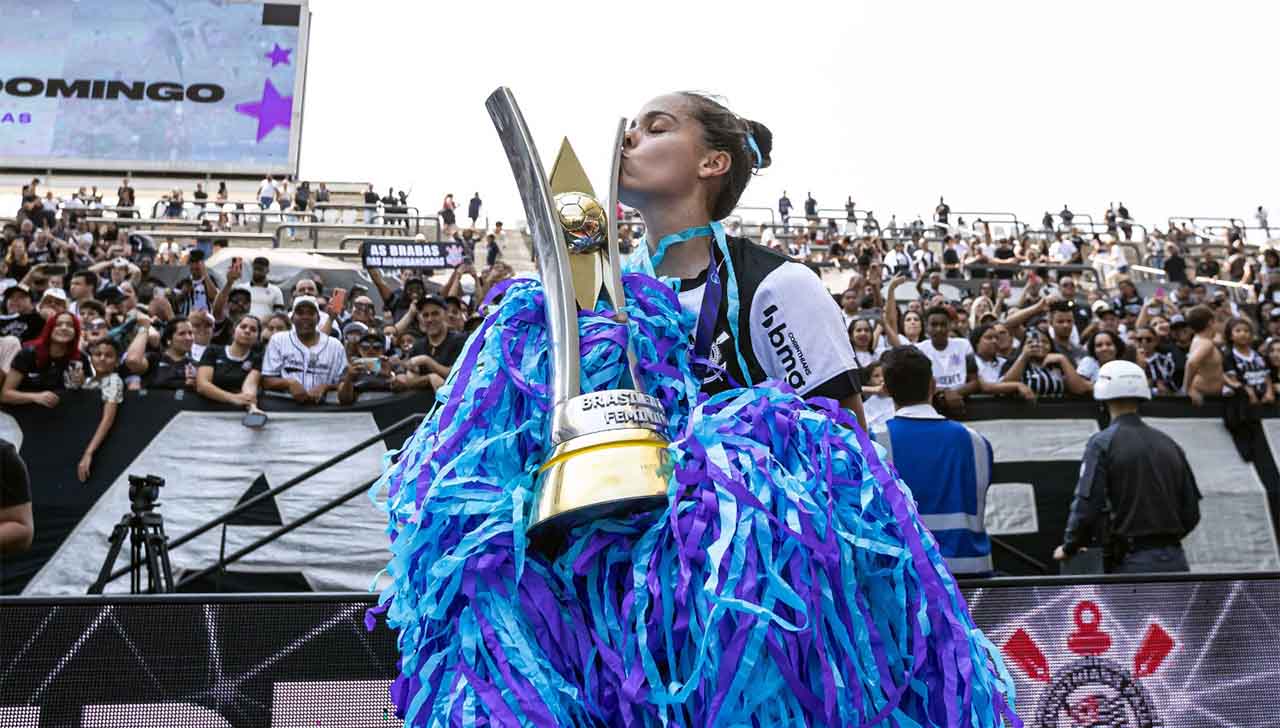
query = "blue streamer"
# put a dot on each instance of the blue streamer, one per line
(787, 581)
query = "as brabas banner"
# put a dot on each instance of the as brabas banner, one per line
(1181, 653)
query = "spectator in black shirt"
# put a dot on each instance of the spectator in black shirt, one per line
(171, 368)
(230, 374)
(371, 371)
(437, 348)
(1243, 368)
(200, 196)
(447, 215)
(1128, 303)
(1208, 266)
(20, 318)
(17, 528)
(370, 205)
(1049, 375)
(398, 303)
(785, 207)
(810, 207)
(50, 363)
(1004, 255)
(473, 209)
(125, 198)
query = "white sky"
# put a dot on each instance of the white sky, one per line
(1169, 107)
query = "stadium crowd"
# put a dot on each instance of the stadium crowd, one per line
(1034, 315)
(1031, 315)
(82, 308)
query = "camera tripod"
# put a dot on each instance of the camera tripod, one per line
(148, 546)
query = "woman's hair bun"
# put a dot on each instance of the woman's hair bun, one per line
(764, 140)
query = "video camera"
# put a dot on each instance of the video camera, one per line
(143, 492)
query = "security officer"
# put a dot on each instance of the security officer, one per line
(1135, 481)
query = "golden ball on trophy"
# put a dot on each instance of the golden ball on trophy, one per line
(583, 220)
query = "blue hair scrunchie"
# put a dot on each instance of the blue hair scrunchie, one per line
(755, 149)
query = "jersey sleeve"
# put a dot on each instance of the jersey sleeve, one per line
(272, 361)
(798, 334)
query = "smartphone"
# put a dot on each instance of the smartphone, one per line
(1160, 292)
(1005, 286)
(338, 301)
(372, 363)
(254, 419)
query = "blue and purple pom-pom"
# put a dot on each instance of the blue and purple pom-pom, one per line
(788, 581)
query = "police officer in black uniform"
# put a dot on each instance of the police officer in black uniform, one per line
(1137, 494)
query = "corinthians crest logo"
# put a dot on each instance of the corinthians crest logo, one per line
(1096, 690)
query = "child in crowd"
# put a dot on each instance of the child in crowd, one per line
(876, 404)
(104, 355)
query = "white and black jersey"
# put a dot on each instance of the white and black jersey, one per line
(790, 327)
(1249, 367)
(288, 358)
(1046, 382)
(1165, 366)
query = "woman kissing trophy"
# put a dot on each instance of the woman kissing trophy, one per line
(628, 508)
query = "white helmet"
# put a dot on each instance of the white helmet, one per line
(1121, 380)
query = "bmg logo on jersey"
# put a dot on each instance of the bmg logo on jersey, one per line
(787, 348)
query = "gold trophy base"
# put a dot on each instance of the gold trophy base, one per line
(598, 475)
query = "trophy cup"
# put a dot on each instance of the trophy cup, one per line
(608, 449)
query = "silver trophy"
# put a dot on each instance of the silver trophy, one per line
(609, 448)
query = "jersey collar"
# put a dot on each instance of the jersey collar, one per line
(922, 411)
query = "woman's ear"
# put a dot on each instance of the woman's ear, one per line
(714, 164)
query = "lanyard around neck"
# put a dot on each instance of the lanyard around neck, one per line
(716, 289)
(710, 309)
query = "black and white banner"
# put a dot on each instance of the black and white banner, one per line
(412, 255)
(210, 463)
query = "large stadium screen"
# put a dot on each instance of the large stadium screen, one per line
(153, 85)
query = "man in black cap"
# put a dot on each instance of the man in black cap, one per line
(198, 290)
(398, 302)
(370, 370)
(20, 318)
(266, 297)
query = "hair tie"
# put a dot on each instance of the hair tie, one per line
(755, 149)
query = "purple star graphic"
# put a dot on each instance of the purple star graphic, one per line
(272, 111)
(278, 55)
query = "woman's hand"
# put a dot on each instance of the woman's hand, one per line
(1026, 392)
(45, 399)
(82, 470)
